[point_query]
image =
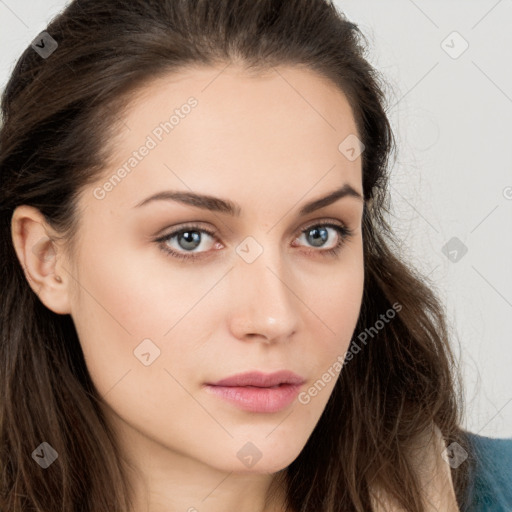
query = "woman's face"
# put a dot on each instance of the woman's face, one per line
(262, 292)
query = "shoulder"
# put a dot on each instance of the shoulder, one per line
(426, 458)
(490, 485)
(432, 465)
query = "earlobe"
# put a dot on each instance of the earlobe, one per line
(40, 258)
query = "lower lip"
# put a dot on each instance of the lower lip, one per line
(257, 399)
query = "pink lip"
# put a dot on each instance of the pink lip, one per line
(258, 392)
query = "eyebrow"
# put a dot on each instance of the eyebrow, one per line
(216, 204)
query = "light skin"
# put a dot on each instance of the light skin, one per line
(271, 148)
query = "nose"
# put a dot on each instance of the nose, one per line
(264, 304)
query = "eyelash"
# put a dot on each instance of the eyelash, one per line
(344, 233)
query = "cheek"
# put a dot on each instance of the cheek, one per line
(336, 301)
(134, 296)
(336, 306)
(112, 315)
(123, 301)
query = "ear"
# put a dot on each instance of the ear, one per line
(41, 258)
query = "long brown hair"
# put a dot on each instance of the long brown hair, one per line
(60, 114)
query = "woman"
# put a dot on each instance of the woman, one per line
(203, 308)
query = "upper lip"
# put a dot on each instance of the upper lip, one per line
(259, 379)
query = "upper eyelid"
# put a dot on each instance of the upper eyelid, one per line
(215, 232)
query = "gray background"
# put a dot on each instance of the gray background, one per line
(451, 110)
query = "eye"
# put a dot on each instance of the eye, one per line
(191, 237)
(317, 234)
(188, 238)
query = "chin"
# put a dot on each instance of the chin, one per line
(261, 457)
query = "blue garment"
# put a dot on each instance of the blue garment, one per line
(490, 487)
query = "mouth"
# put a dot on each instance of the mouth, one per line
(258, 392)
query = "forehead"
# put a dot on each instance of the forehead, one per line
(213, 126)
(231, 93)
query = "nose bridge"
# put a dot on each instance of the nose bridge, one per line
(264, 301)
